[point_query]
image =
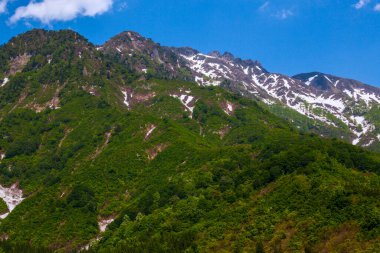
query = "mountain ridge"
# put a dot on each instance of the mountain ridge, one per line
(321, 101)
(340, 107)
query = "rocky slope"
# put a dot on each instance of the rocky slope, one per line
(336, 102)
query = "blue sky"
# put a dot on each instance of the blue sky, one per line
(340, 37)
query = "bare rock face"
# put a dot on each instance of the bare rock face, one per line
(18, 63)
(147, 57)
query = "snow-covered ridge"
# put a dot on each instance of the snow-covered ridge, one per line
(318, 96)
(212, 70)
(322, 97)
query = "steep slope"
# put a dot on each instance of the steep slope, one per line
(356, 101)
(143, 55)
(325, 104)
(110, 161)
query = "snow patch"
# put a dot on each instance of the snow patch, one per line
(126, 98)
(150, 130)
(364, 124)
(328, 79)
(356, 141)
(103, 224)
(187, 100)
(286, 84)
(308, 82)
(369, 143)
(229, 108)
(5, 81)
(367, 97)
(12, 196)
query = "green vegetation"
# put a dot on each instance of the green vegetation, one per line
(305, 124)
(3, 207)
(201, 182)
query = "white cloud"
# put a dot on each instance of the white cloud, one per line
(377, 7)
(361, 4)
(47, 11)
(3, 5)
(284, 14)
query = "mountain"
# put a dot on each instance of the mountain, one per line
(326, 104)
(145, 56)
(99, 156)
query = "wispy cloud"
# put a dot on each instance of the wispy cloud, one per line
(361, 4)
(48, 11)
(122, 6)
(377, 7)
(272, 10)
(284, 14)
(264, 6)
(3, 5)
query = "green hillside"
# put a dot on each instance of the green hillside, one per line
(221, 174)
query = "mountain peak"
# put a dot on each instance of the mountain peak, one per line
(132, 35)
(215, 53)
(318, 80)
(44, 42)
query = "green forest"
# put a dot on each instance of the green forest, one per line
(170, 178)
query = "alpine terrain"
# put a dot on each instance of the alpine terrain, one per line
(135, 147)
(328, 105)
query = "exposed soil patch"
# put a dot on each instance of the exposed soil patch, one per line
(20, 100)
(91, 90)
(153, 152)
(342, 239)
(67, 132)
(52, 104)
(100, 149)
(224, 131)
(132, 98)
